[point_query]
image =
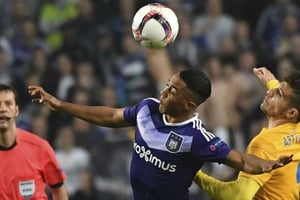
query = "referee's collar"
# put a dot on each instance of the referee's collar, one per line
(2, 148)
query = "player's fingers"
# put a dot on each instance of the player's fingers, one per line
(286, 159)
(35, 91)
(41, 100)
(36, 100)
(31, 92)
(258, 71)
(274, 165)
(32, 88)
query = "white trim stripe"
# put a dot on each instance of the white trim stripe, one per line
(153, 137)
(207, 135)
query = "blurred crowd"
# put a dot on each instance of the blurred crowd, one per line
(83, 51)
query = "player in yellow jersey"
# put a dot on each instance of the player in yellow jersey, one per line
(281, 136)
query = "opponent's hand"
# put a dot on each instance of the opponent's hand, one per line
(264, 75)
(281, 161)
(39, 95)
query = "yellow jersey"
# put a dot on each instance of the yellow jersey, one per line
(270, 143)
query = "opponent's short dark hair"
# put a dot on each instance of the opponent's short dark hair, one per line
(293, 79)
(4, 87)
(198, 82)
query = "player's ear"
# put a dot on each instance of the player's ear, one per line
(17, 111)
(191, 105)
(292, 113)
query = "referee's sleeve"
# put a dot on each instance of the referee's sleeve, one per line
(57, 185)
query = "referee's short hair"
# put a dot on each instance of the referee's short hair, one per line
(4, 87)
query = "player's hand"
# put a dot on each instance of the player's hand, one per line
(39, 95)
(281, 161)
(264, 75)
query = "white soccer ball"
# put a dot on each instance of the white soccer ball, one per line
(155, 26)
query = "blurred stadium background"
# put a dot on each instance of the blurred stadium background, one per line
(83, 51)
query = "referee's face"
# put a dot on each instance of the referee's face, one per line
(8, 110)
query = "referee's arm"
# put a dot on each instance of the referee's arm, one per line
(59, 192)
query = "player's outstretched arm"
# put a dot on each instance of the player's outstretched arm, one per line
(253, 164)
(100, 115)
(266, 77)
(233, 190)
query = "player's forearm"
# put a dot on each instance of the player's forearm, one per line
(233, 190)
(155, 59)
(100, 115)
(243, 162)
(252, 164)
(255, 165)
(266, 77)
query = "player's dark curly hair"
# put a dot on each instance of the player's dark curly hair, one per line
(293, 79)
(198, 82)
(4, 87)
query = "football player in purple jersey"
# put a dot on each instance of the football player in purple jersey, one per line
(171, 143)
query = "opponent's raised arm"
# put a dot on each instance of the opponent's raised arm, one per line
(100, 115)
(266, 77)
(253, 164)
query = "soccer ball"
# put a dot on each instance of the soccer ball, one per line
(155, 26)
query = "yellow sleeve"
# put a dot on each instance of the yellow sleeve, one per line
(233, 190)
(272, 84)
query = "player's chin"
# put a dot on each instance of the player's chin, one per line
(161, 108)
(3, 127)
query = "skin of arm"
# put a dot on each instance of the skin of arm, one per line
(219, 190)
(252, 164)
(60, 193)
(100, 115)
(266, 77)
(156, 58)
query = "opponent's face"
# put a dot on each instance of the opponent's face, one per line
(277, 101)
(8, 110)
(174, 97)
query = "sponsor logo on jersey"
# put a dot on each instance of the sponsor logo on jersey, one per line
(174, 142)
(147, 155)
(27, 188)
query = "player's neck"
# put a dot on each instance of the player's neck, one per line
(7, 137)
(272, 122)
(177, 119)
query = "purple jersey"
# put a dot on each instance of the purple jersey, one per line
(166, 155)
